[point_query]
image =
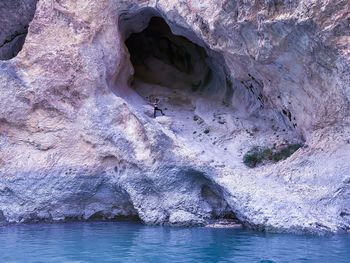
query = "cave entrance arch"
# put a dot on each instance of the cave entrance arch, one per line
(160, 57)
(177, 61)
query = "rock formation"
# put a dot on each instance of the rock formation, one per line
(77, 135)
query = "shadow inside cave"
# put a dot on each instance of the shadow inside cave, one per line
(162, 58)
(176, 71)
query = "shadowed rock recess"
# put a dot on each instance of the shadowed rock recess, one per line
(256, 100)
(15, 16)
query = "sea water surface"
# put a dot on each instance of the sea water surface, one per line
(132, 242)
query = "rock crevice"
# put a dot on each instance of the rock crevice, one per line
(15, 17)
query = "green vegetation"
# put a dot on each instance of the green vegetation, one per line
(258, 155)
(284, 153)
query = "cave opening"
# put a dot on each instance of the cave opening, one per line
(162, 58)
(172, 64)
(169, 58)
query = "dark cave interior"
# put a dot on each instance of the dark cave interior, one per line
(162, 58)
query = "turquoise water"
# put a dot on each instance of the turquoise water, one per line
(129, 242)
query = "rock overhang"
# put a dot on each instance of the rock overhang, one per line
(215, 79)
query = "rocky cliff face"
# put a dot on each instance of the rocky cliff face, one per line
(77, 135)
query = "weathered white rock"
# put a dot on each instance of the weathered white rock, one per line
(77, 140)
(183, 218)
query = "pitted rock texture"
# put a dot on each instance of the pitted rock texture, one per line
(78, 139)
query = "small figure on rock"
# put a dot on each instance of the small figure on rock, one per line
(156, 108)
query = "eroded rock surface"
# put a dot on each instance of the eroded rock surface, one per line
(78, 139)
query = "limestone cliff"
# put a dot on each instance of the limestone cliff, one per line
(77, 135)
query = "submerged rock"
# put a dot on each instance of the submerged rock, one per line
(77, 136)
(224, 224)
